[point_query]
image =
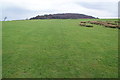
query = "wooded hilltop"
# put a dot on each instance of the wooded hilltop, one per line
(64, 16)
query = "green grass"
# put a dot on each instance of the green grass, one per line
(0, 49)
(59, 49)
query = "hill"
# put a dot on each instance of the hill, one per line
(55, 48)
(64, 16)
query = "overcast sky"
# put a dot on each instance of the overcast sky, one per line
(22, 9)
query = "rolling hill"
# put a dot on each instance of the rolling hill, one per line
(64, 16)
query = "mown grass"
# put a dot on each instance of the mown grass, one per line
(0, 49)
(59, 49)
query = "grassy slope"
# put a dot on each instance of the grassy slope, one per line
(58, 48)
(0, 49)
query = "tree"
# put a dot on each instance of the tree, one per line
(5, 18)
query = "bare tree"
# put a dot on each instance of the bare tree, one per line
(5, 18)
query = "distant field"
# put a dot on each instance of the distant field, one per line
(59, 49)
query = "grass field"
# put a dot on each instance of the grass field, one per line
(0, 49)
(59, 49)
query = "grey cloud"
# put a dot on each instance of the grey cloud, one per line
(110, 7)
(14, 12)
(98, 5)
